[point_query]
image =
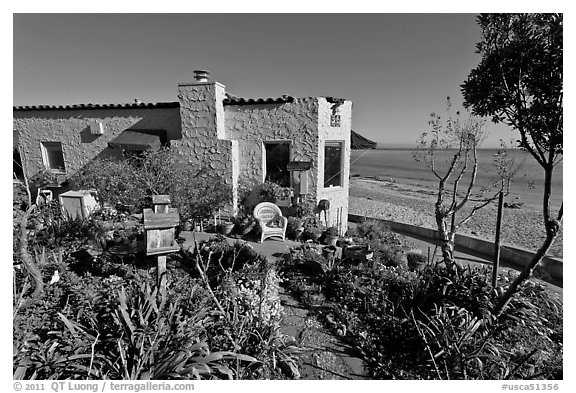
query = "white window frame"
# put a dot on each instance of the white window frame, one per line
(342, 144)
(45, 147)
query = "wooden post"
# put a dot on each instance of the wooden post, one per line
(159, 225)
(161, 272)
(497, 240)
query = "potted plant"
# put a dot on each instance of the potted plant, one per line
(416, 260)
(225, 228)
(331, 236)
(359, 253)
(313, 231)
(295, 227)
(245, 224)
(283, 196)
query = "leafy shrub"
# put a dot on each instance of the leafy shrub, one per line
(416, 258)
(292, 225)
(370, 230)
(313, 230)
(252, 193)
(116, 182)
(305, 210)
(377, 235)
(59, 232)
(119, 327)
(196, 192)
(437, 323)
(246, 291)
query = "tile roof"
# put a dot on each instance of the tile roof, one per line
(98, 106)
(233, 100)
(229, 100)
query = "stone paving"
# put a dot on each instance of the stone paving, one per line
(324, 354)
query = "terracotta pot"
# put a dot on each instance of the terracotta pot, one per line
(359, 253)
(226, 228)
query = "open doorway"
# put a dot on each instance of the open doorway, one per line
(277, 157)
(17, 170)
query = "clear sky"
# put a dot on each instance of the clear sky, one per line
(396, 68)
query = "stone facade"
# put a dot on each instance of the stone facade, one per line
(226, 138)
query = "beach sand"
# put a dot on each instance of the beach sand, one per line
(414, 204)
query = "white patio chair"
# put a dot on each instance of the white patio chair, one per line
(272, 222)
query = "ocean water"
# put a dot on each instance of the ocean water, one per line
(399, 165)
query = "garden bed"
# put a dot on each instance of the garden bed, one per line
(429, 322)
(102, 315)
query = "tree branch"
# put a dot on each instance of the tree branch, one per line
(457, 180)
(472, 213)
(472, 181)
(519, 124)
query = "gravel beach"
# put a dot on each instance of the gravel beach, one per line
(521, 227)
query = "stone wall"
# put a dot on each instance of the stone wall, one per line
(72, 129)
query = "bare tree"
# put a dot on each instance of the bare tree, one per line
(23, 252)
(450, 150)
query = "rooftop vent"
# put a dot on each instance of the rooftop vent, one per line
(201, 75)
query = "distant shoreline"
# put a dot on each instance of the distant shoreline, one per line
(399, 165)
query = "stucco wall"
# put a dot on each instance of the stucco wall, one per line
(202, 124)
(72, 129)
(306, 124)
(338, 196)
(226, 140)
(252, 125)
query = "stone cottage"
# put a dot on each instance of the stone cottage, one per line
(303, 143)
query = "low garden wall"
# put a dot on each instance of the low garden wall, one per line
(513, 257)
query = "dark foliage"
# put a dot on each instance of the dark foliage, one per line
(434, 323)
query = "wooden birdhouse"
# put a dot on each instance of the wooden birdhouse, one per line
(161, 203)
(159, 224)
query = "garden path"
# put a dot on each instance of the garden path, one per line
(324, 354)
